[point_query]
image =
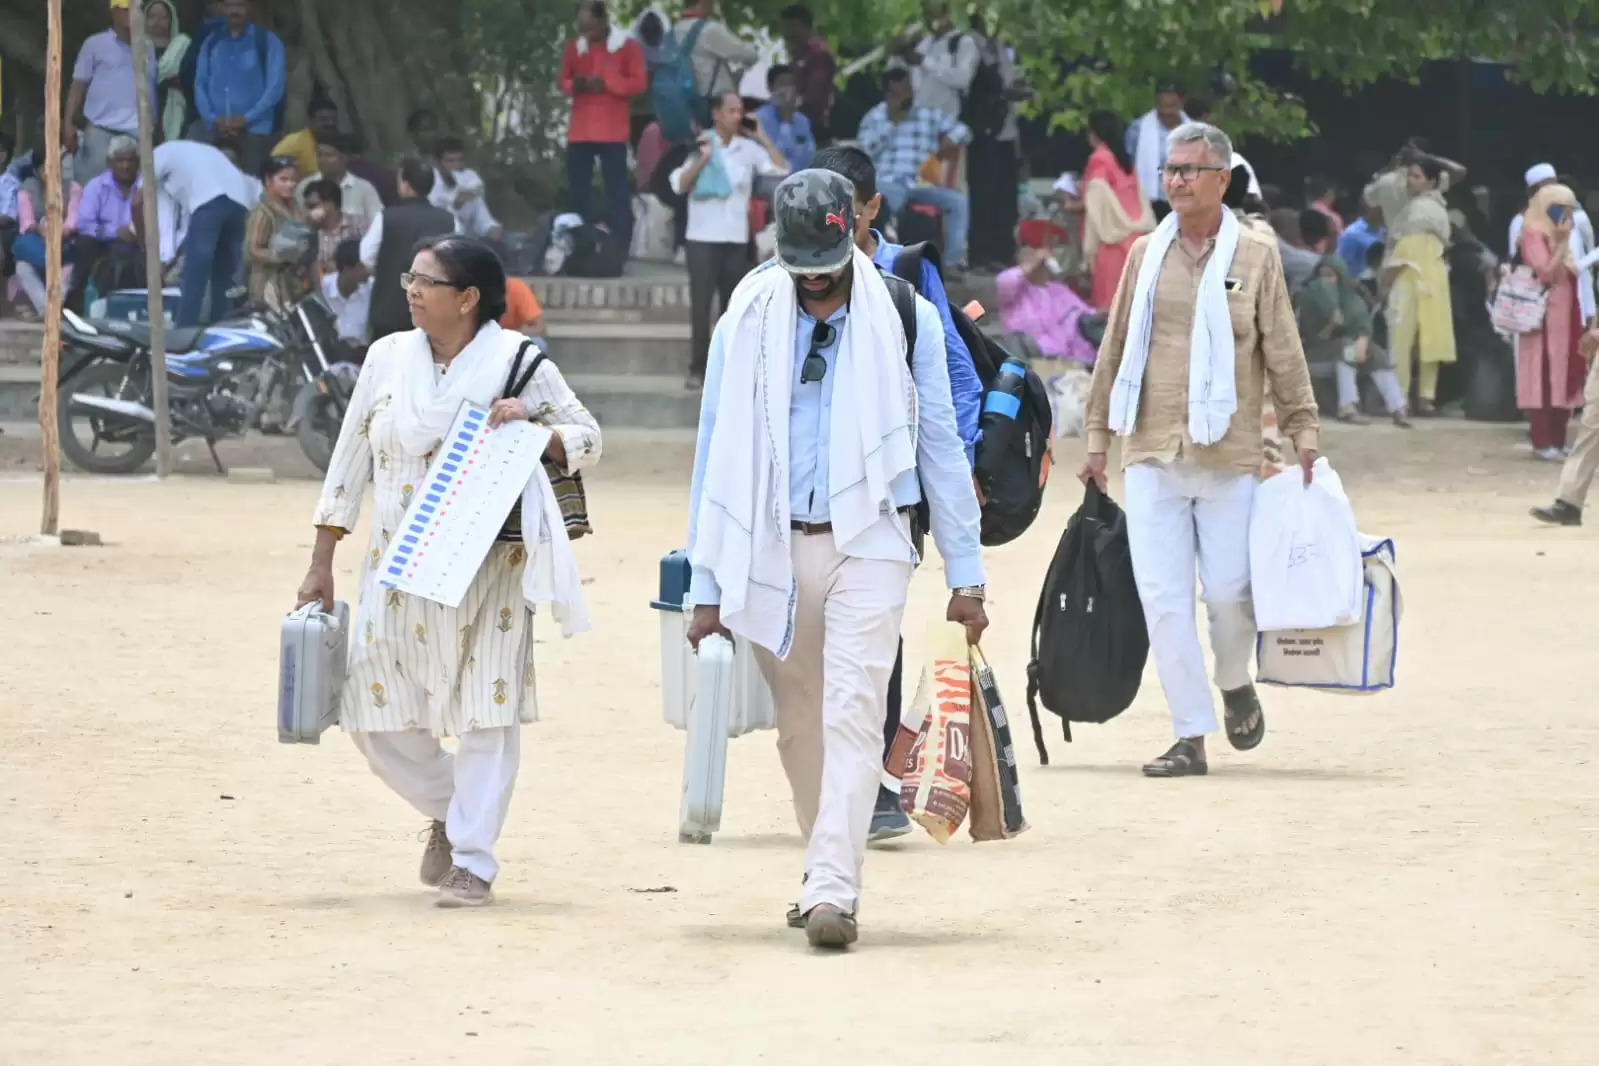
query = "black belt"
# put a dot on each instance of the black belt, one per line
(811, 529)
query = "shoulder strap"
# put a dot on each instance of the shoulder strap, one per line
(514, 384)
(691, 38)
(904, 296)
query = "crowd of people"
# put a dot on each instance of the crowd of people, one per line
(246, 205)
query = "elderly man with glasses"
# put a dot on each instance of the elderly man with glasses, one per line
(1200, 325)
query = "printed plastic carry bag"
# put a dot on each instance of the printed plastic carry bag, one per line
(1304, 552)
(1356, 659)
(996, 808)
(934, 758)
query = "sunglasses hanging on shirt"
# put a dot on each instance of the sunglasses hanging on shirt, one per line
(815, 366)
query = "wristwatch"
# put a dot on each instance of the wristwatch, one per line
(972, 592)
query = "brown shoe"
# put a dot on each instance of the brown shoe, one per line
(463, 888)
(436, 861)
(828, 927)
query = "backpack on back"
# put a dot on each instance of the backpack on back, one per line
(673, 90)
(984, 108)
(1013, 456)
(1089, 640)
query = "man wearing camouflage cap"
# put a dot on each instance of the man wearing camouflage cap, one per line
(818, 437)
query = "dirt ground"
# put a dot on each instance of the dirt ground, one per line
(1407, 878)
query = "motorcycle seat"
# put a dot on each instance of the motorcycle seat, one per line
(178, 339)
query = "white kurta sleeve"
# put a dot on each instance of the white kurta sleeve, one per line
(351, 466)
(552, 403)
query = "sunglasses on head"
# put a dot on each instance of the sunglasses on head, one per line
(815, 366)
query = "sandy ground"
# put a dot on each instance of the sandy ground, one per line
(1408, 878)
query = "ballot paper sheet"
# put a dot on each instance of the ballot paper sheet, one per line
(478, 472)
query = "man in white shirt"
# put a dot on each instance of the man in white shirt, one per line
(717, 181)
(348, 292)
(359, 199)
(198, 183)
(1146, 140)
(103, 94)
(943, 62)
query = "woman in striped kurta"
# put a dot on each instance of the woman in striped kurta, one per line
(419, 670)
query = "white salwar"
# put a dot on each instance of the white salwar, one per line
(419, 670)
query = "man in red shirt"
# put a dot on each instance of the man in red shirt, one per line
(602, 70)
(813, 65)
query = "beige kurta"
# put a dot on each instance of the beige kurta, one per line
(414, 663)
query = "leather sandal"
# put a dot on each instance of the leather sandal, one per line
(1182, 759)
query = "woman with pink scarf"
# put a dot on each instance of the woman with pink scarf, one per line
(1115, 210)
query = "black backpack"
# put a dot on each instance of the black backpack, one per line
(1089, 640)
(1013, 456)
(984, 108)
(596, 253)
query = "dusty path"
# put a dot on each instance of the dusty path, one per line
(1405, 879)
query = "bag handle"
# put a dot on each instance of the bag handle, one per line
(514, 384)
(1032, 677)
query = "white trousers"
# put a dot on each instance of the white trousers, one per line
(470, 791)
(1387, 382)
(1173, 513)
(831, 695)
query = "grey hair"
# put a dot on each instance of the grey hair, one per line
(1218, 143)
(122, 144)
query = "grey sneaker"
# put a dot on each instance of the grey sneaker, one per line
(463, 888)
(888, 821)
(828, 927)
(435, 856)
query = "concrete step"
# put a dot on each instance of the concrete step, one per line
(621, 348)
(639, 401)
(20, 342)
(651, 292)
(19, 391)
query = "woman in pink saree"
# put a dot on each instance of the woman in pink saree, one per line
(1549, 369)
(1115, 210)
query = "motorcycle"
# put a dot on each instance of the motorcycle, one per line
(270, 371)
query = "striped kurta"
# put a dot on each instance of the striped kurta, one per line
(416, 664)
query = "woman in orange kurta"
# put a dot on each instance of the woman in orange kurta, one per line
(1115, 211)
(1549, 369)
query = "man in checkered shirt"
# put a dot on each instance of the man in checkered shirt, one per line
(899, 137)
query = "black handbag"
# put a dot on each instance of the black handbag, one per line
(569, 493)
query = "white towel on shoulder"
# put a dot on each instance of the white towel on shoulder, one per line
(1212, 386)
(742, 528)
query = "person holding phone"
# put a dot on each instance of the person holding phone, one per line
(717, 178)
(1550, 371)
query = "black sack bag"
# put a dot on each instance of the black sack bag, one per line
(1016, 419)
(1089, 640)
(569, 491)
(596, 253)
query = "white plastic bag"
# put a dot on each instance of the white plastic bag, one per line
(1304, 552)
(1353, 660)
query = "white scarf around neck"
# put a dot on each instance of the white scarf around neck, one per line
(425, 408)
(613, 41)
(742, 529)
(1212, 386)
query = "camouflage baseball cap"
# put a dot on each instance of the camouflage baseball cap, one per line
(815, 213)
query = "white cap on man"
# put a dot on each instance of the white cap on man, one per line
(1539, 173)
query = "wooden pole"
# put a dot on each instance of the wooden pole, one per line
(50, 357)
(152, 244)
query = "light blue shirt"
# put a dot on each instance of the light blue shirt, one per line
(965, 387)
(941, 468)
(232, 80)
(793, 138)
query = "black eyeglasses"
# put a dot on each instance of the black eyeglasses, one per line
(1188, 171)
(815, 367)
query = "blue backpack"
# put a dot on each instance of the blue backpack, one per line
(673, 89)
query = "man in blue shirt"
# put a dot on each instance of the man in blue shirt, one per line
(1358, 239)
(783, 121)
(238, 86)
(966, 392)
(800, 514)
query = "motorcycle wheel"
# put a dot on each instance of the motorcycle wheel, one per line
(318, 431)
(87, 441)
